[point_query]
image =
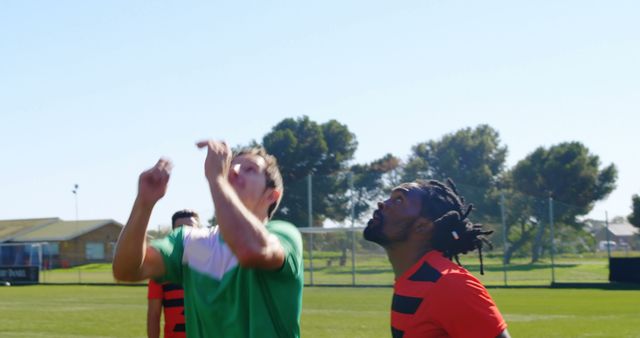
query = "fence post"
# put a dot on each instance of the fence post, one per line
(606, 223)
(40, 259)
(553, 242)
(78, 258)
(504, 238)
(353, 236)
(310, 212)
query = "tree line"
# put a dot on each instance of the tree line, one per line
(473, 157)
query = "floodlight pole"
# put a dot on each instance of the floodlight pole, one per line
(75, 194)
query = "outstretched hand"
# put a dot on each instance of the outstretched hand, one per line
(218, 159)
(152, 184)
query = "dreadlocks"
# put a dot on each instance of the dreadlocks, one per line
(454, 233)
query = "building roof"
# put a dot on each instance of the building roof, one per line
(623, 229)
(62, 230)
(15, 227)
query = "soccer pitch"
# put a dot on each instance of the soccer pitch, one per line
(120, 311)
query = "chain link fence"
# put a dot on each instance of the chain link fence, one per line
(536, 241)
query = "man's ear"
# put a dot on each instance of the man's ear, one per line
(273, 196)
(423, 226)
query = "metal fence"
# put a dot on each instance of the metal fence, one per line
(535, 243)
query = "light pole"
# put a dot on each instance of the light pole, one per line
(75, 194)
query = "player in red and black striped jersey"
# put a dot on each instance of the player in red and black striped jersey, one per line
(423, 226)
(169, 297)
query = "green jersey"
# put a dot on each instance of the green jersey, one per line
(223, 299)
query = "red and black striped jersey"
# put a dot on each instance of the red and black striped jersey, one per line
(438, 298)
(172, 296)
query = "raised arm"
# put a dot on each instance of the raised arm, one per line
(133, 259)
(243, 229)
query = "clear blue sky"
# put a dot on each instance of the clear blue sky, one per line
(93, 92)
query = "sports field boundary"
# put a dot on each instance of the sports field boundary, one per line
(600, 286)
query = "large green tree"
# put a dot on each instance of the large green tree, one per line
(570, 174)
(371, 183)
(303, 148)
(366, 185)
(518, 210)
(472, 157)
(634, 218)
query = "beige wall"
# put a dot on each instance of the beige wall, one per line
(73, 252)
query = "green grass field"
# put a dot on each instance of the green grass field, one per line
(119, 311)
(374, 269)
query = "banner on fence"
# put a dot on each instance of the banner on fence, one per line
(624, 269)
(19, 274)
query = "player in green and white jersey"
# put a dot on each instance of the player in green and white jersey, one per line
(242, 278)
